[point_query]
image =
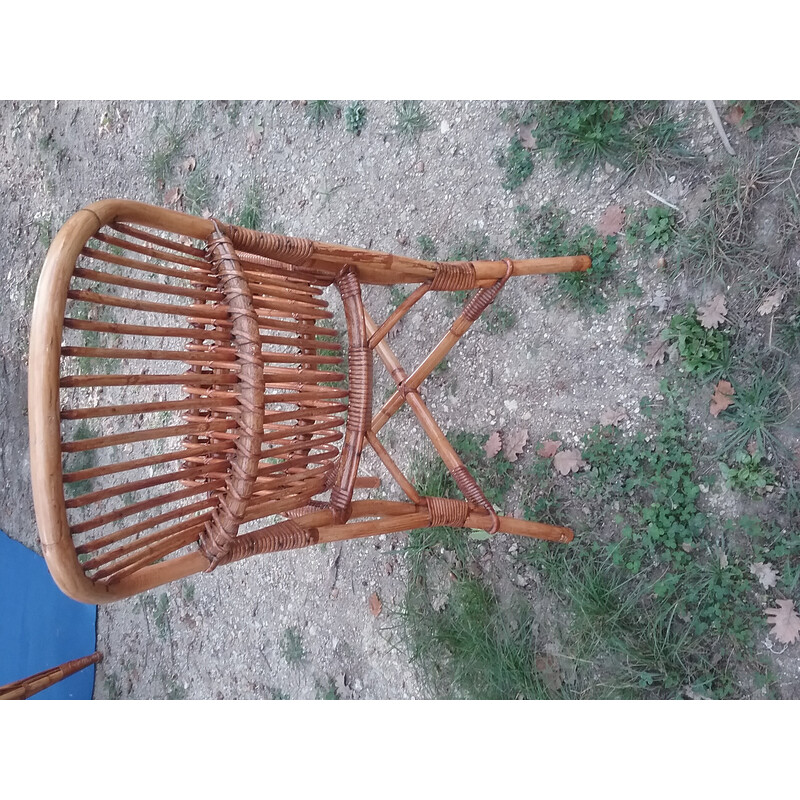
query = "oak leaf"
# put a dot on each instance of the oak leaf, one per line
(375, 604)
(612, 221)
(254, 135)
(722, 398)
(785, 621)
(771, 302)
(514, 443)
(549, 448)
(766, 574)
(568, 461)
(655, 352)
(735, 116)
(613, 416)
(172, 196)
(494, 445)
(713, 313)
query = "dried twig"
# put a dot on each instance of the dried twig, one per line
(662, 200)
(712, 109)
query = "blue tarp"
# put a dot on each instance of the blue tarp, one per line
(40, 627)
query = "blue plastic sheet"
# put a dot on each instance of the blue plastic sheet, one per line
(40, 627)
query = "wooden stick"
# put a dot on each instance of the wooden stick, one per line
(131, 409)
(144, 505)
(394, 470)
(712, 109)
(145, 286)
(152, 252)
(197, 276)
(124, 533)
(27, 687)
(146, 236)
(138, 463)
(168, 432)
(398, 314)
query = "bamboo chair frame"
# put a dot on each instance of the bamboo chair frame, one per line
(249, 308)
(27, 687)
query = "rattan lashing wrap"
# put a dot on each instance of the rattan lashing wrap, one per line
(219, 532)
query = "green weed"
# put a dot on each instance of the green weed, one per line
(251, 214)
(657, 227)
(318, 112)
(706, 352)
(517, 164)
(410, 120)
(427, 247)
(471, 647)
(169, 144)
(355, 117)
(627, 134)
(197, 191)
(748, 474)
(292, 646)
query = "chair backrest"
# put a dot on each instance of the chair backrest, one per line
(161, 352)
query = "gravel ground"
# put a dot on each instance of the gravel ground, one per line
(298, 624)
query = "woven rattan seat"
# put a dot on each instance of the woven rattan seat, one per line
(187, 385)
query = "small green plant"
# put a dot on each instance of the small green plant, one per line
(112, 686)
(187, 590)
(292, 646)
(233, 110)
(197, 191)
(659, 229)
(410, 120)
(44, 227)
(252, 213)
(175, 691)
(160, 616)
(169, 144)
(748, 474)
(427, 247)
(355, 117)
(327, 691)
(760, 408)
(396, 296)
(627, 134)
(517, 164)
(473, 648)
(706, 352)
(498, 319)
(318, 112)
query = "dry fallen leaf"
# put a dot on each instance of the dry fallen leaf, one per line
(766, 574)
(494, 445)
(613, 416)
(713, 313)
(172, 196)
(526, 137)
(752, 447)
(735, 116)
(375, 604)
(723, 397)
(550, 671)
(785, 621)
(568, 461)
(612, 221)
(771, 302)
(254, 135)
(655, 352)
(514, 443)
(549, 448)
(187, 165)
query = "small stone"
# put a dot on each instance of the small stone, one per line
(419, 166)
(445, 126)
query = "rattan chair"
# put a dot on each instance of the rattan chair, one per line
(27, 687)
(185, 387)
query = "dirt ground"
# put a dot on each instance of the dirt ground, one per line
(299, 624)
